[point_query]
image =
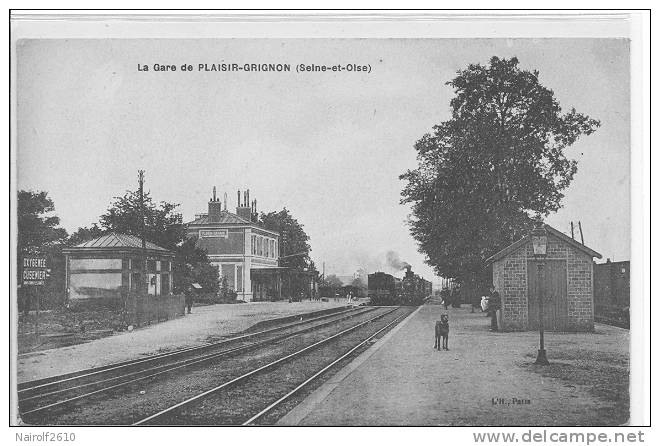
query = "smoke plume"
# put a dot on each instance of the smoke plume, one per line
(394, 261)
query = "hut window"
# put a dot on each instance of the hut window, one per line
(95, 285)
(95, 264)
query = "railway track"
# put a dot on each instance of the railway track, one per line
(251, 397)
(47, 394)
(138, 399)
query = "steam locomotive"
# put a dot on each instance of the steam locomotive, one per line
(385, 289)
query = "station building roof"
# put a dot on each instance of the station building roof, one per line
(225, 218)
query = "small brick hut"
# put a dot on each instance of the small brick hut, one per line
(567, 284)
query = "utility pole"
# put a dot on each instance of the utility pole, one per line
(572, 231)
(580, 227)
(143, 260)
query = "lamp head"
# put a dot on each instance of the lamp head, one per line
(539, 240)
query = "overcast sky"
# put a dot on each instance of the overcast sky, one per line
(328, 146)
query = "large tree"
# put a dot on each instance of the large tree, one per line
(496, 165)
(162, 226)
(358, 282)
(84, 234)
(191, 265)
(39, 234)
(294, 245)
(38, 228)
(333, 281)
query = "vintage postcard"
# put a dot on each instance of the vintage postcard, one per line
(309, 223)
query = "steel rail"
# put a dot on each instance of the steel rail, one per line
(257, 370)
(171, 367)
(55, 380)
(319, 373)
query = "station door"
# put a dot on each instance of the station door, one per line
(555, 295)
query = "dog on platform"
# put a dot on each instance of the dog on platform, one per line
(442, 332)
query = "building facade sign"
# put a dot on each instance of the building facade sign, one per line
(213, 233)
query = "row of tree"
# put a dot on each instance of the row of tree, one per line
(39, 232)
(333, 281)
(494, 167)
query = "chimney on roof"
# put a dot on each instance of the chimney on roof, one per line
(243, 208)
(225, 201)
(253, 210)
(215, 207)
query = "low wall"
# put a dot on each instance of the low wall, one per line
(146, 309)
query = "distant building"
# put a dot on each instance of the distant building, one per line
(109, 267)
(568, 298)
(247, 255)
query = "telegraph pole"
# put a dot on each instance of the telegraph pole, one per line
(143, 260)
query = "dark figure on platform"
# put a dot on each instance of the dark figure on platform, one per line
(189, 297)
(442, 332)
(444, 295)
(494, 305)
(456, 298)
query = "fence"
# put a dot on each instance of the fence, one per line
(147, 309)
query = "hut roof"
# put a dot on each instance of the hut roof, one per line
(117, 241)
(551, 231)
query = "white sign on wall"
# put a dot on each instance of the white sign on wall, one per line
(217, 233)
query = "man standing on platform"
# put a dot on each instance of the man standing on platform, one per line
(494, 306)
(444, 295)
(189, 297)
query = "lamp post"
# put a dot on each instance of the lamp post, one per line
(540, 244)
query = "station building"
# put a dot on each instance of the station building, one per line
(246, 254)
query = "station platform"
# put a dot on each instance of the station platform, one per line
(485, 379)
(203, 325)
